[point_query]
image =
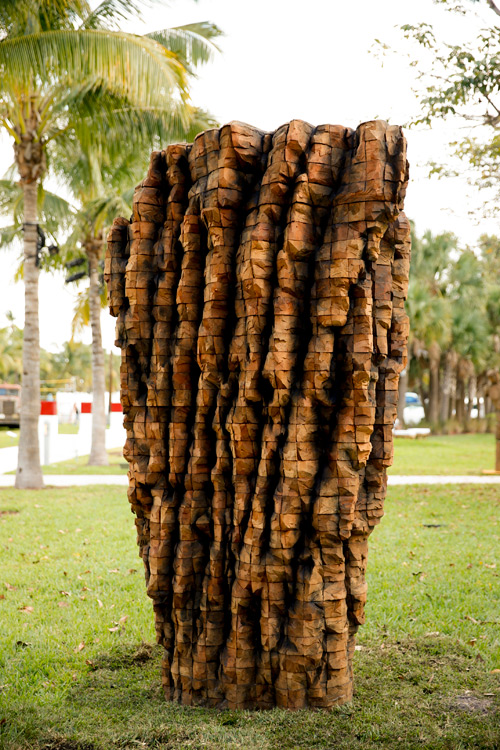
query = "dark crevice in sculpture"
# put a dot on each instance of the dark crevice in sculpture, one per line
(259, 293)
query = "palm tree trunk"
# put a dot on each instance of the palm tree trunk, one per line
(488, 408)
(29, 471)
(423, 397)
(98, 455)
(443, 399)
(460, 399)
(403, 387)
(434, 359)
(444, 409)
(404, 379)
(472, 390)
(453, 394)
(434, 393)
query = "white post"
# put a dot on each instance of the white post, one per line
(85, 428)
(48, 428)
(116, 418)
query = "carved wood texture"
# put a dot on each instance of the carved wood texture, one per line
(259, 293)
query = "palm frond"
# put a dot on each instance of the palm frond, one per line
(18, 17)
(200, 120)
(136, 67)
(102, 211)
(192, 43)
(9, 236)
(101, 123)
(11, 172)
(55, 213)
(109, 13)
(10, 195)
(81, 313)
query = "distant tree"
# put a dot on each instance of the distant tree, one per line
(11, 351)
(101, 177)
(429, 310)
(73, 362)
(469, 339)
(62, 64)
(454, 309)
(463, 84)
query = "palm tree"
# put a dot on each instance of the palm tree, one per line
(430, 331)
(11, 346)
(429, 309)
(73, 361)
(103, 187)
(61, 62)
(469, 330)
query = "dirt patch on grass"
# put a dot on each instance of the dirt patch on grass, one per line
(9, 512)
(473, 704)
(63, 743)
(123, 659)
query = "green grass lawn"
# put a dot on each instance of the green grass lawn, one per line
(444, 454)
(436, 454)
(74, 617)
(67, 429)
(6, 441)
(117, 465)
(439, 454)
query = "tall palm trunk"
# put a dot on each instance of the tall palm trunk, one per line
(434, 360)
(30, 161)
(403, 387)
(472, 392)
(445, 405)
(463, 376)
(423, 397)
(460, 410)
(98, 455)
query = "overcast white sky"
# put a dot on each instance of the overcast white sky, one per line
(308, 59)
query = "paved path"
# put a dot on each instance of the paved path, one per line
(396, 479)
(66, 480)
(64, 447)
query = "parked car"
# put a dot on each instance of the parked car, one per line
(414, 411)
(10, 404)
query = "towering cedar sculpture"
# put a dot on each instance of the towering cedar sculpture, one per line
(259, 292)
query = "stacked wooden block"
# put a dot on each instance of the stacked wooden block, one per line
(259, 293)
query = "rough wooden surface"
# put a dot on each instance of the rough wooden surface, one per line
(259, 294)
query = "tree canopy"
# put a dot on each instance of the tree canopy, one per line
(462, 82)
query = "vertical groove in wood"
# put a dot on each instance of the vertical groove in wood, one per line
(259, 293)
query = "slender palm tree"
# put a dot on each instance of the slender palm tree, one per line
(429, 310)
(469, 330)
(430, 323)
(73, 362)
(102, 183)
(11, 346)
(60, 63)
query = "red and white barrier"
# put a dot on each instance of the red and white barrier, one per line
(116, 417)
(48, 428)
(85, 424)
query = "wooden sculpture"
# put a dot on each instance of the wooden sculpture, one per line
(259, 293)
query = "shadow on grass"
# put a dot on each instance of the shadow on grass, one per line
(430, 693)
